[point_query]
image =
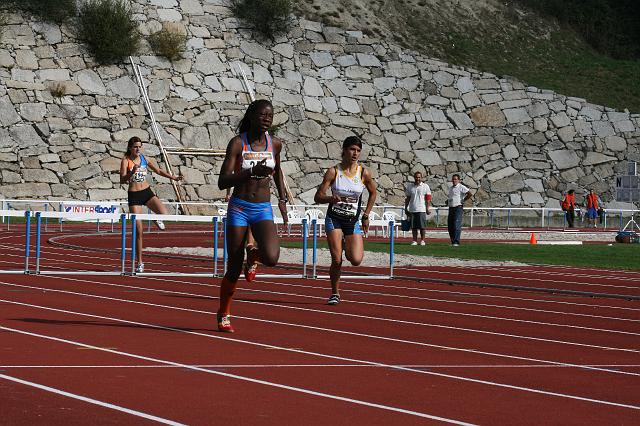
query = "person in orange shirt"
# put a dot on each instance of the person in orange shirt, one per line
(568, 205)
(592, 208)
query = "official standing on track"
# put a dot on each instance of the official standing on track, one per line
(347, 181)
(133, 170)
(458, 194)
(252, 157)
(568, 205)
(592, 208)
(416, 204)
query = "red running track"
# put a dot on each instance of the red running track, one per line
(114, 349)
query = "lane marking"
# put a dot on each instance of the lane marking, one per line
(267, 366)
(244, 378)
(91, 400)
(335, 330)
(372, 284)
(340, 358)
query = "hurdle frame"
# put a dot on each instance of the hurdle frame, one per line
(124, 219)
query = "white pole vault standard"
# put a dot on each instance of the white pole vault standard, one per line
(154, 125)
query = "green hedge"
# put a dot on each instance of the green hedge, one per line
(108, 29)
(268, 17)
(56, 11)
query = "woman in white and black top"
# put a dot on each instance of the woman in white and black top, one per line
(458, 194)
(347, 181)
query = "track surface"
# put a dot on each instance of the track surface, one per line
(118, 349)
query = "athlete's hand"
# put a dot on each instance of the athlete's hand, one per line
(135, 168)
(261, 169)
(335, 199)
(282, 205)
(365, 225)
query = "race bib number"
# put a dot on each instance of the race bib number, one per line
(347, 209)
(139, 176)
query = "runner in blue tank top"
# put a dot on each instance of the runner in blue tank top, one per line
(134, 168)
(251, 159)
(347, 181)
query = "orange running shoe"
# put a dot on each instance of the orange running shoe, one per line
(251, 265)
(224, 323)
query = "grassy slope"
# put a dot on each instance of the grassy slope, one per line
(617, 256)
(492, 36)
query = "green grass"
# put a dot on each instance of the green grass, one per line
(533, 50)
(563, 63)
(617, 256)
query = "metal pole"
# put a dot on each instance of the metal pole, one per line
(471, 223)
(391, 249)
(225, 253)
(133, 243)
(304, 247)
(620, 220)
(123, 242)
(38, 223)
(27, 216)
(314, 222)
(215, 246)
(542, 215)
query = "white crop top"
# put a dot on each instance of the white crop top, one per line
(251, 158)
(349, 188)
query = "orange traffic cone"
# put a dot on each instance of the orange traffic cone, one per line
(533, 239)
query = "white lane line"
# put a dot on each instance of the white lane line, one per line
(90, 400)
(468, 274)
(464, 302)
(372, 284)
(580, 272)
(538, 270)
(461, 302)
(205, 268)
(299, 351)
(239, 300)
(402, 307)
(243, 378)
(334, 330)
(268, 366)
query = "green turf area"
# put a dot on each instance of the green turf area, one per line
(617, 256)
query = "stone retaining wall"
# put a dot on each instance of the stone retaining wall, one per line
(513, 144)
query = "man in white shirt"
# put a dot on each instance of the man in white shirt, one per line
(458, 194)
(416, 204)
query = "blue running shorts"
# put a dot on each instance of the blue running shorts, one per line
(246, 213)
(348, 227)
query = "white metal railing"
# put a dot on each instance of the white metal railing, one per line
(492, 217)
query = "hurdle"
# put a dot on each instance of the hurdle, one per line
(214, 220)
(379, 222)
(122, 218)
(27, 216)
(218, 227)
